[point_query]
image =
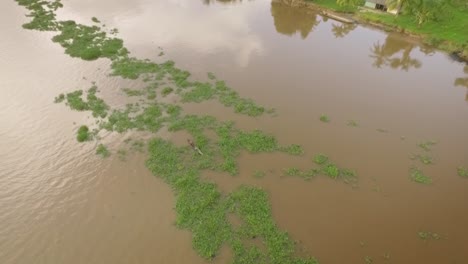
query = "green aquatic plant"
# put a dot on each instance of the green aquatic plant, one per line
(75, 101)
(83, 134)
(88, 42)
(293, 149)
(368, 260)
(95, 20)
(42, 14)
(133, 92)
(320, 159)
(200, 92)
(426, 235)
(292, 172)
(102, 151)
(200, 206)
(166, 91)
(60, 98)
(331, 170)
(462, 172)
(211, 76)
(132, 68)
(382, 130)
(202, 209)
(418, 176)
(425, 159)
(324, 118)
(307, 175)
(427, 145)
(352, 123)
(259, 174)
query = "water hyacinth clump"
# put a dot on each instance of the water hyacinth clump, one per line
(462, 172)
(418, 176)
(426, 235)
(324, 118)
(427, 145)
(83, 134)
(75, 101)
(102, 151)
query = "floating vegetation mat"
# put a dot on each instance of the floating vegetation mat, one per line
(200, 206)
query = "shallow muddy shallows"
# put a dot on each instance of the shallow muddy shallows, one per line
(275, 135)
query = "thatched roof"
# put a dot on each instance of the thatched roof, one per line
(381, 2)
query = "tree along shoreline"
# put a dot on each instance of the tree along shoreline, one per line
(391, 23)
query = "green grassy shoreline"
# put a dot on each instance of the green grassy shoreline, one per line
(449, 35)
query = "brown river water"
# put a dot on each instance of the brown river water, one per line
(60, 203)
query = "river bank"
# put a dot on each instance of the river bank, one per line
(449, 36)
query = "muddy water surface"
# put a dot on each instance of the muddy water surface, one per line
(59, 203)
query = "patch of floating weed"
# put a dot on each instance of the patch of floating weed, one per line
(462, 172)
(324, 118)
(368, 260)
(231, 98)
(352, 123)
(200, 92)
(427, 145)
(132, 68)
(60, 98)
(259, 174)
(293, 149)
(95, 20)
(119, 121)
(88, 42)
(97, 106)
(102, 151)
(426, 235)
(166, 91)
(292, 172)
(331, 170)
(133, 92)
(257, 141)
(161, 53)
(386, 256)
(83, 134)
(418, 176)
(425, 159)
(382, 130)
(320, 159)
(149, 119)
(94, 104)
(211, 76)
(251, 204)
(42, 14)
(200, 206)
(303, 174)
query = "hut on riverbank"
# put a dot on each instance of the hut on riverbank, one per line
(380, 5)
